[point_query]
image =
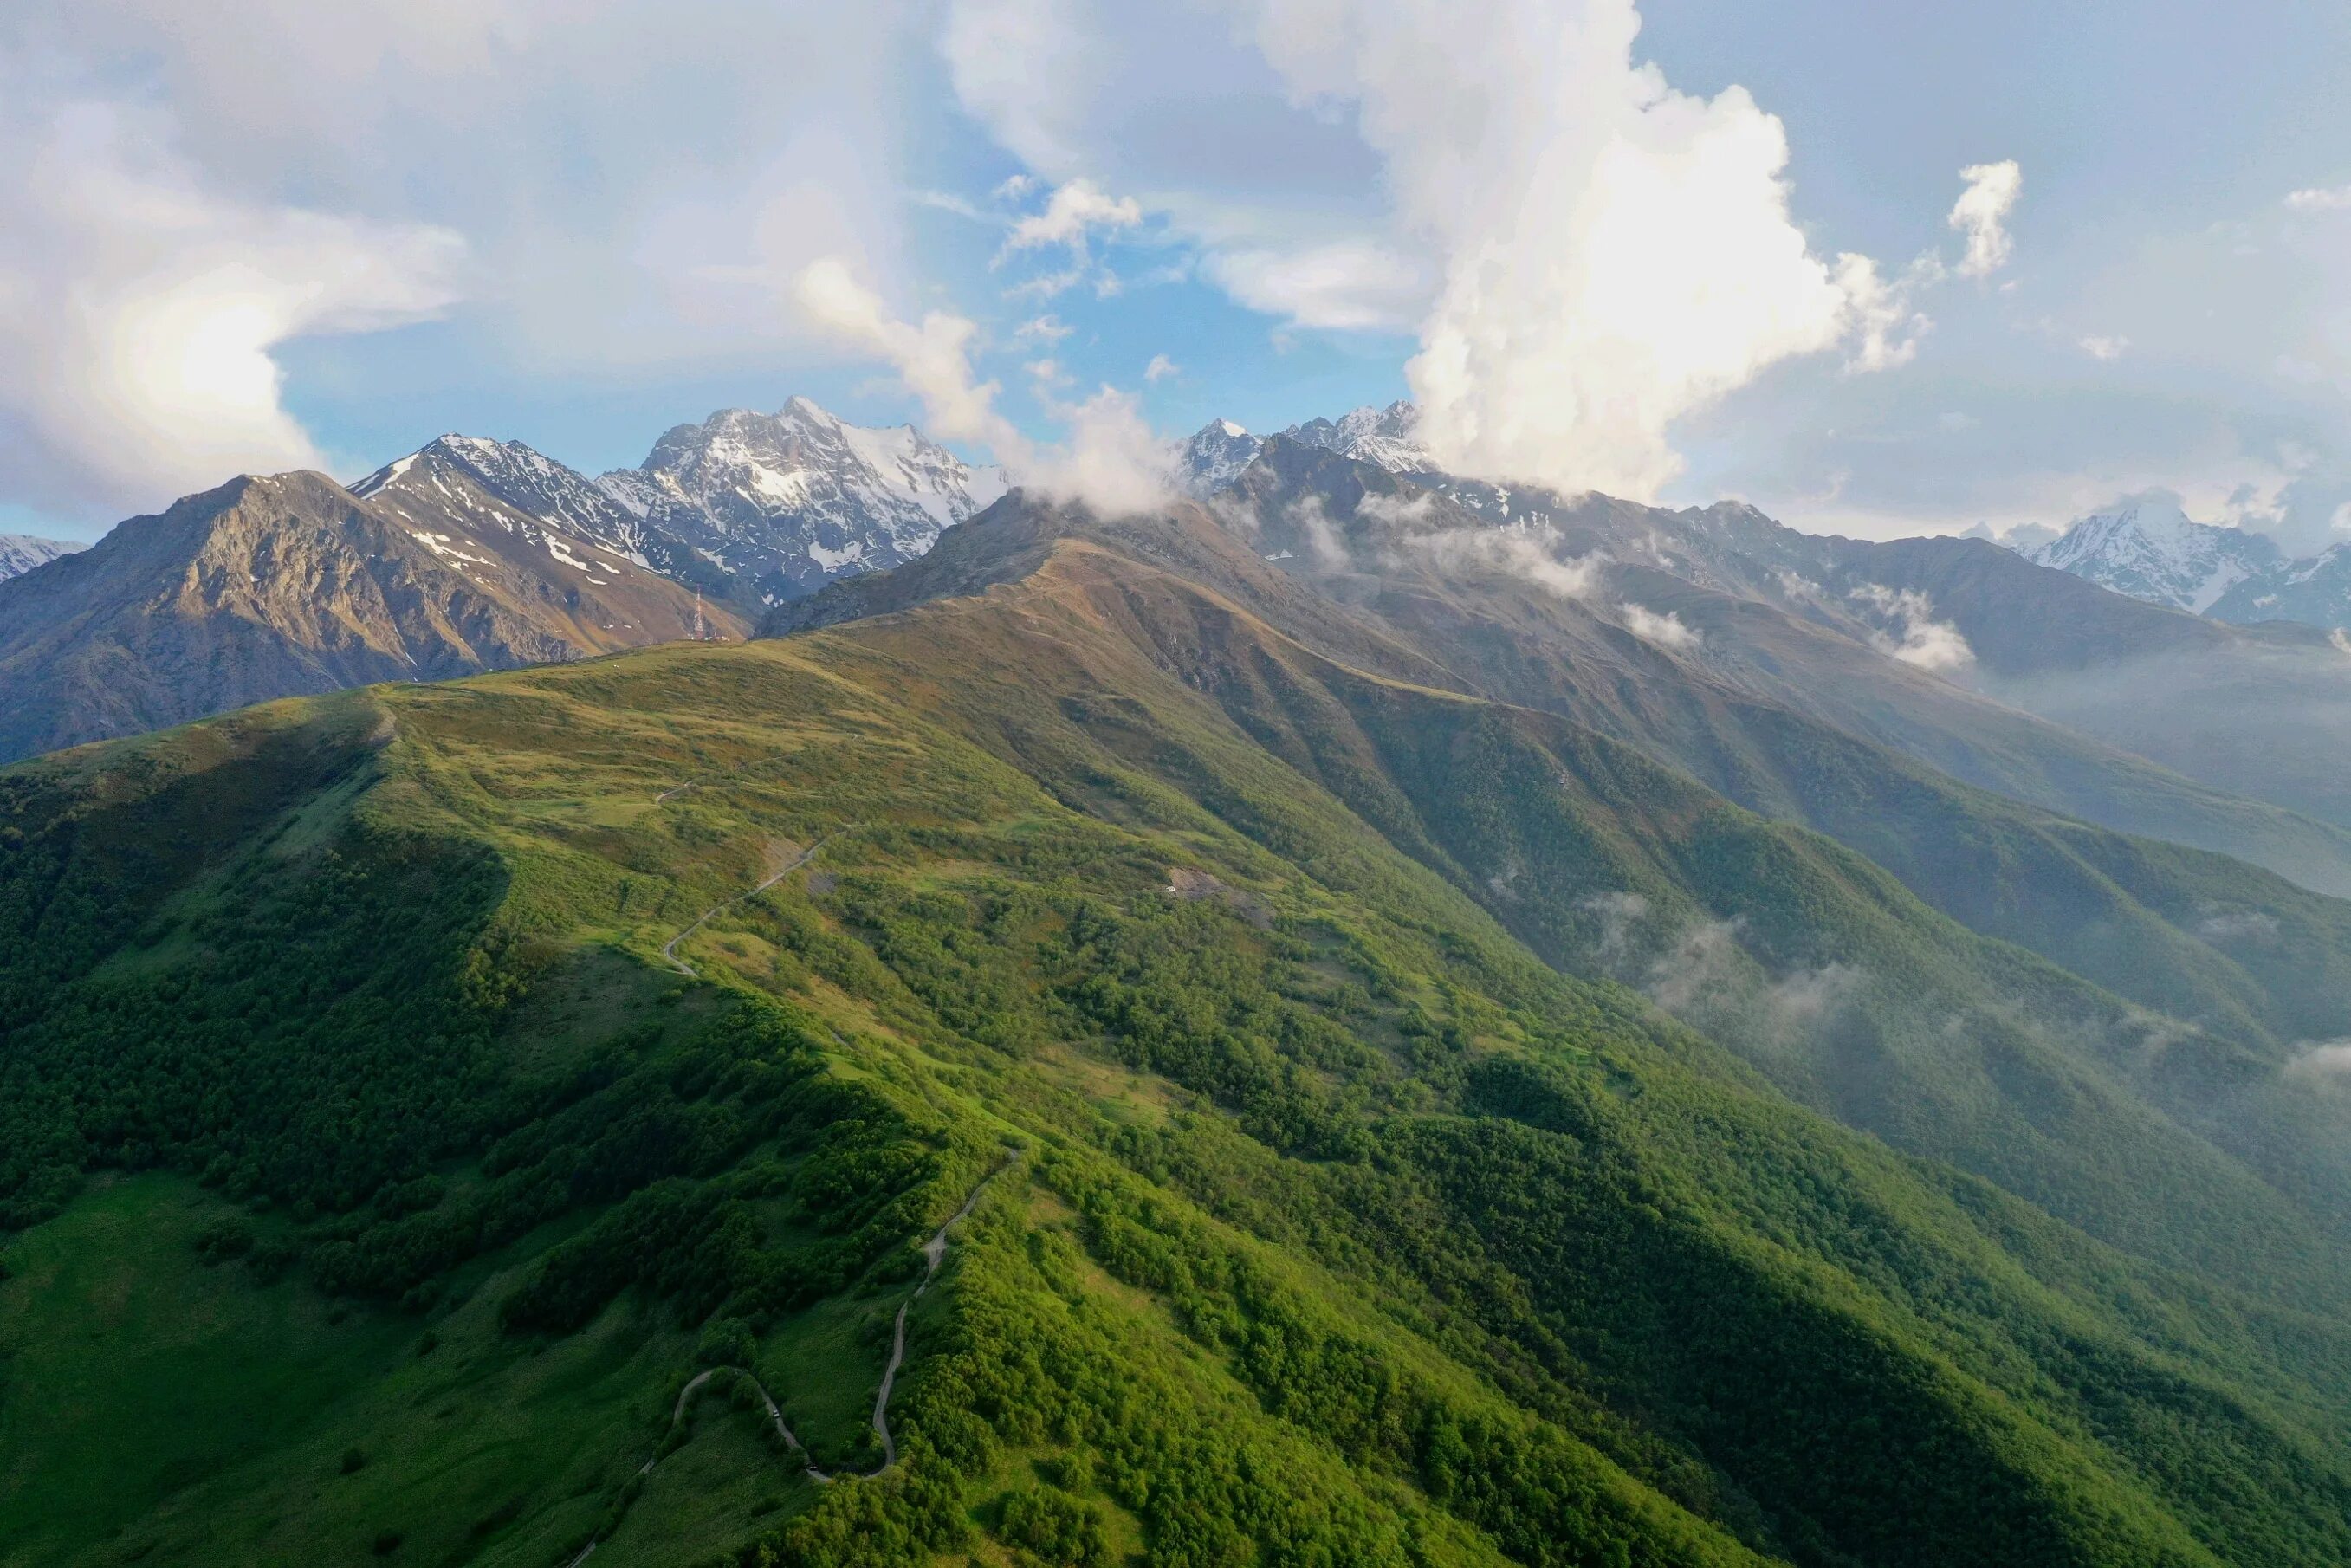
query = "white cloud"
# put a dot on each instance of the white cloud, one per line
(1109, 458)
(1048, 285)
(1042, 329)
(1073, 210)
(1666, 630)
(284, 170)
(140, 309)
(1614, 254)
(948, 202)
(2320, 199)
(1587, 256)
(1886, 326)
(1521, 556)
(1982, 214)
(1326, 546)
(1160, 368)
(2328, 1064)
(932, 360)
(1910, 632)
(2106, 348)
(1355, 283)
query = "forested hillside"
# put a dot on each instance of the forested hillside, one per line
(1394, 1125)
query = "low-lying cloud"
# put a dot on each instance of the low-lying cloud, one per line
(2327, 1064)
(1702, 973)
(1666, 631)
(1909, 631)
(1527, 556)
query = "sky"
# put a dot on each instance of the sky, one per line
(1877, 269)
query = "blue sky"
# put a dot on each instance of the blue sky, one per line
(1607, 247)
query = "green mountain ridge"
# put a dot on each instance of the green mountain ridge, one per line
(1360, 1208)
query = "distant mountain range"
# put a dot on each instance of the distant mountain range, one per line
(782, 503)
(20, 553)
(1385, 437)
(472, 554)
(2151, 550)
(280, 585)
(467, 554)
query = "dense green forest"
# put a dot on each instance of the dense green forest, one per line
(1397, 1128)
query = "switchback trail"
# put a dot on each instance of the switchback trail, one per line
(934, 1252)
(669, 949)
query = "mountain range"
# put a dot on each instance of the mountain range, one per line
(2151, 550)
(1215, 454)
(1369, 1019)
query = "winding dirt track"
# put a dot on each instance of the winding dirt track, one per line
(669, 949)
(934, 1252)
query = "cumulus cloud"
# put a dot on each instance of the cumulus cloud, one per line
(1981, 215)
(1160, 368)
(1666, 631)
(1586, 254)
(933, 359)
(1884, 323)
(1909, 631)
(1042, 329)
(1612, 254)
(1072, 213)
(140, 309)
(1109, 457)
(2105, 347)
(2320, 199)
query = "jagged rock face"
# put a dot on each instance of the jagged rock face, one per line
(2149, 550)
(1385, 437)
(20, 553)
(1218, 453)
(2315, 591)
(508, 487)
(517, 478)
(1214, 456)
(291, 584)
(787, 501)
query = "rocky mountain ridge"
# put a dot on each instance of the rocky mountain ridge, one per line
(288, 584)
(2149, 549)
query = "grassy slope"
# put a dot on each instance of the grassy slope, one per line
(1344, 1226)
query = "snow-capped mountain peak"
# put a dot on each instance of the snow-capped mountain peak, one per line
(791, 498)
(514, 476)
(20, 553)
(1214, 455)
(2150, 548)
(1387, 437)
